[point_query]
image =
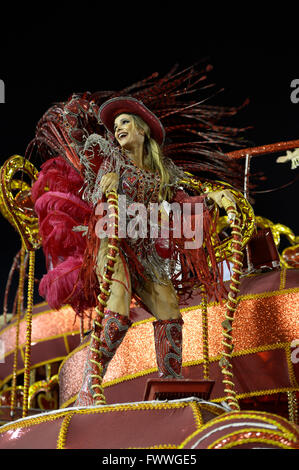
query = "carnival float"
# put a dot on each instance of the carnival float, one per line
(240, 357)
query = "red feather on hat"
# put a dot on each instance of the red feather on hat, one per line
(195, 131)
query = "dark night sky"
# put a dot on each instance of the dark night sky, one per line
(261, 71)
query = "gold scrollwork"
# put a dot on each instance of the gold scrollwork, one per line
(277, 230)
(15, 199)
(44, 392)
(223, 250)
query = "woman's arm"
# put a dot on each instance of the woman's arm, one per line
(103, 162)
(109, 182)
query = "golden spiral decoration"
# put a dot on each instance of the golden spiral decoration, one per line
(205, 340)
(17, 176)
(15, 199)
(95, 344)
(231, 306)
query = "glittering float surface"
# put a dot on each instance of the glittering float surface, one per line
(46, 323)
(266, 323)
(151, 425)
(55, 333)
(177, 424)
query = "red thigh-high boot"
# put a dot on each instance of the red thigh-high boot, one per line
(114, 329)
(168, 345)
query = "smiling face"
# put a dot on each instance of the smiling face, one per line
(126, 133)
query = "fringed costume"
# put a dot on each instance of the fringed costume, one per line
(79, 150)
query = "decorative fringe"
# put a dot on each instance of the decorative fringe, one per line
(198, 266)
(195, 137)
(27, 361)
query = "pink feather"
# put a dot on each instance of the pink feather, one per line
(59, 208)
(56, 175)
(61, 285)
(64, 202)
(59, 239)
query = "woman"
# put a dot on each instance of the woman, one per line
(136, 168)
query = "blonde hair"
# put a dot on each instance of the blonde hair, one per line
(154, 158)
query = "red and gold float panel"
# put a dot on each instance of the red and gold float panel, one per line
(55, 333)
(245, 430)
(139, 425)
(265, 330)
(181, 424)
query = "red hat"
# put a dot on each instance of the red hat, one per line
(126, 104)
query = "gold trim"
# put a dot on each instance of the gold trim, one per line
(48, 338)
(130, 377)
(282, 346)
(67, 403)
(141, 322)
(250, 439)
(41, 304)
(291, 290)
(135, 407)
(283, 275)
(291, 372)
(259, 393)
(197, 414)
(68, 414)
(292, 407)
(266, 441)
(159, 446)
(21, 371)
(21, 349)
(34, 420)
(11, 325)
(66, 343)
(259, 415)
(62, 436)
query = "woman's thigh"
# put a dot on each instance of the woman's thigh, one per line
(120, 290)
(160, 299)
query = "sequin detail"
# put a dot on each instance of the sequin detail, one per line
(115, 327)
(168, 345)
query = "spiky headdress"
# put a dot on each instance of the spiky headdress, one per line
(195, 135)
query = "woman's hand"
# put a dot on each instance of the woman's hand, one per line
(222, 198)
(109, 182)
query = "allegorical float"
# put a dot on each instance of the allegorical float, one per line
(227, 377)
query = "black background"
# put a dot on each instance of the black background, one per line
(58, 61)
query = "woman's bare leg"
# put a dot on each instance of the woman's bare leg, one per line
(121, 290)
(161, 300)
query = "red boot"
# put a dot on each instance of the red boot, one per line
(168, 345)
(114, 329)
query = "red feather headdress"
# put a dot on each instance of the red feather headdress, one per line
(195, 132)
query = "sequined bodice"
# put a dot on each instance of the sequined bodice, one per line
(139, 185)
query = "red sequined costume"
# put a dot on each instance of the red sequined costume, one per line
(146, 256)
(66, 194)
